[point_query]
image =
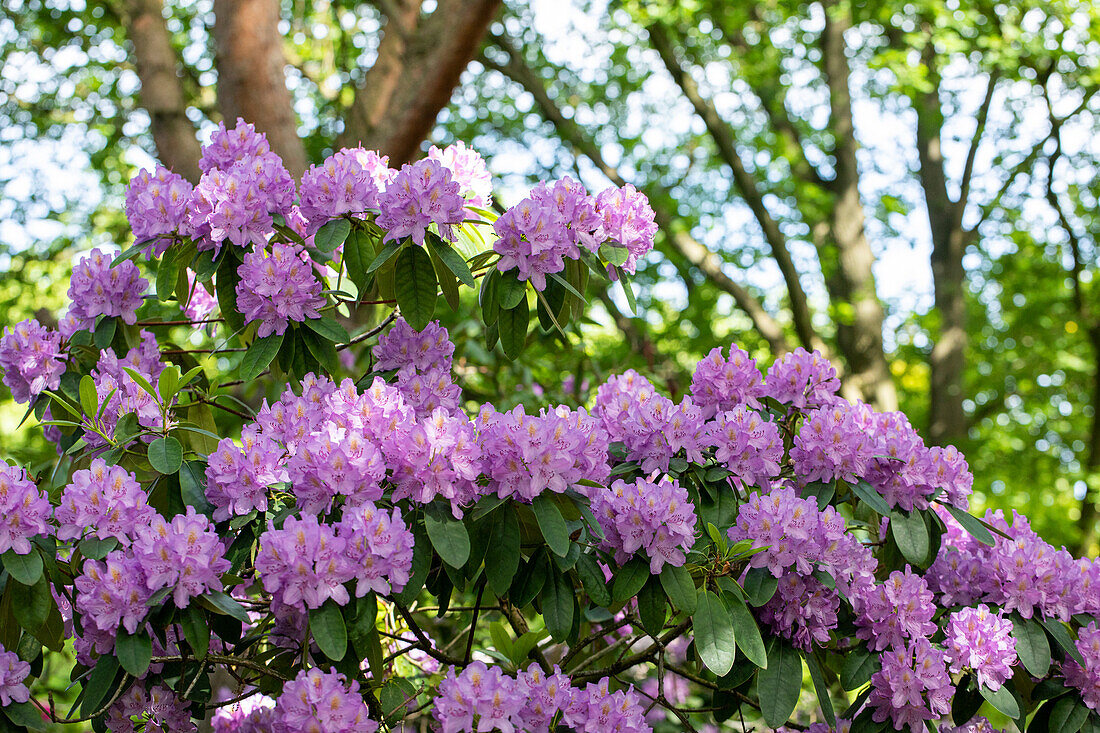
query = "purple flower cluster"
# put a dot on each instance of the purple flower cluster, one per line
(24, 510)
(103, 501)
(898, 609)
(12, 673)
(253, 714)
(112, 592)
(832, 444)
(803, 610)
(237, 478)
(185, 554)
(748, 445)
(651, 427)
(156, 206)
(158, 710)
(1023, 574)
(335, 461)
(441, 457)
(525, 455)
(469, 170)
(228, 147)
(421, 194)
(32, 359)
(98, 289)
(1086, 678)
(720, 384)
(321, 701)
(913, 686)
(982, 641)
(278, 287)
(122, 393)
(379, 548)
(348, 182)
(657, 517)
(627, 219)
(423, 360)
(801, 379)
(481, 698)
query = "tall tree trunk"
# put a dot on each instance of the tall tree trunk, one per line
(846, 255)
(252, 76)
(1089, 521)
(397, 105)
(162, 93)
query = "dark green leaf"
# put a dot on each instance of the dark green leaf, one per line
(259, 356)
(512, 325)
(487, 298)
(749, 640)
(859, 665)
(225, 286)
(1068, 715)
(449, 538)
(624, 283)
(652, 606)
(192, 489)
(328, 328)
(551, 523)
(1061, 636)
(616, 254)
(99, 683)
(96, 548)
(780, 683)
(166, 455)
(870, 496)
(1003, 700)
(966, 700)
(557, 605)
(221, 603)
(89, 400)
(529, 580)
(911, 535)
(1032, 646)
(820, 687)
(592, 579)
(326, 624)
(629, 580)
(195, 630)
(971, 524)
(31, 603)
(105, 332)
(167, 274)
(510, 290)
(715, 640)
(24, 714)
(680, 588)
(760, 585)
(384, 256)
(134, 651)
(502, 560)
(322, 350)
(452, 259)
(415, 285)
(27, 569)
(332, 234)
(358, 252)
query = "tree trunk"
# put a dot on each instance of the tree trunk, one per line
(162, 93)
(252, 77)
(395, 109)
(1090, 516)
(845, 252)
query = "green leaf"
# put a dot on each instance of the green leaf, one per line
(512, 324)
(551, 524)
(652, 606)
(1002, 699)
(360, 617)
(89, 400)
(749, 640)
(971, 524)
(452, 259)
(502, 641)
(821, 688)
(1032, 646)
(448, 283)
(166, 455)
(133, 651)
(326, 624)
(99, 683)
(415, 285)
(510, 290)
(859, 665)
(616, 254)
(27, 569)
(225, 286)
(1068, 715)
(23, 714)
(911, 535)
(219, 602)
(680, 588)
(31, 604)
(328, 328)
(332, 234)
(384, 256)
(870, 496)
(715, 640)
(557, 605)
(449, 538)
(168, 271)
(358, 252)
(592, 580)
(780, 683)
(565, 284)
(624, 283)
(96, 548)
(502, 559)
(760, 585)
(487, 298)
(529, 581)
(629, 580)
(259, 356)
(322, 350)
(192, 489)
(168, 382)
(105, 332)
(1061, 636)
(196, 630)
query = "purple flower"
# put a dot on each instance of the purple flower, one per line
(24, 510)
(748, 445)
(322, 701)
(379, 548)
(200, 303)
(104, 501)
(278, 288)
(348, 182)
(438, 457)
(12, 673)
(122, 393)
(1086, 678)
(982, 641)
(237, 479)
(803, 610)
(480, 693)
(596, 709)
(335, 461)
(156, 205)
(627, 220)
(304, 563)
(545, 695)
(900, 608)
(159, 710)
(832, 445)
(401, 346)
(422, 193)
(428, 391)
(98, 289)
(32, 359)
(801, 379)
(112, 592)
(227, 147)
(658, 518)
(469, 171)
(185, 554)
(720, 384)
(253, 714)
(913, 686)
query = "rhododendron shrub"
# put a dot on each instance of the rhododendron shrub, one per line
(369, 548)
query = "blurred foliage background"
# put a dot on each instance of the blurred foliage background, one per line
(908, 185)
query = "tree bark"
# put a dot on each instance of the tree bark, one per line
(845, 251)
(397, 105)
(252, 76)
(162, 93)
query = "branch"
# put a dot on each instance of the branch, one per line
(972, 153)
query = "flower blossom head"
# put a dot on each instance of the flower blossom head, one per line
(402, 346)
(24, 510)
(801, 380)
(97, 288)
(185, 554)
(982, 641)
(13, 672)
(469, 170)
(32, 360)
(104, 501)
(913, 686)
(156, 206)
(324, 702)
(277, 288)
(720, 384)
(227, 147)
(658, 518)
(348, 182)
(628, 220)
(422, 193)
(1086, 678)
